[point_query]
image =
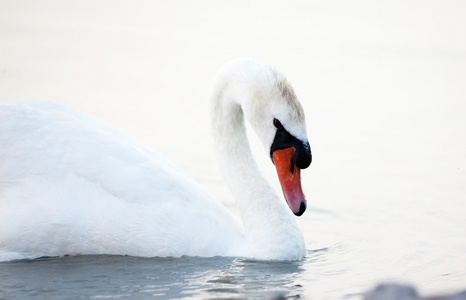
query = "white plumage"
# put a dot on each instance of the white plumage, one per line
(69, 184)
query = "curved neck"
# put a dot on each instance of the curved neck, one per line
(268, 223)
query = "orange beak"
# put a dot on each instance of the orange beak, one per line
(290, 179)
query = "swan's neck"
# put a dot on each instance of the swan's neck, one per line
(269, 225)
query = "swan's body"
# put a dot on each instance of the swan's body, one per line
(70, 184)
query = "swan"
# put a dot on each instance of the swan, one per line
(72, 185)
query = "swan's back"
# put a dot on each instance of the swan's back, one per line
(69, 184)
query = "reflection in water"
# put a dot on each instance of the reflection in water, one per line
(254, 278)
(120, 276)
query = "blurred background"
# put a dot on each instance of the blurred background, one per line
(382, 84)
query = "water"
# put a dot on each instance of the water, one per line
(382, 84)
(97, 277)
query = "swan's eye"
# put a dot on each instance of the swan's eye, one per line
(277, 123)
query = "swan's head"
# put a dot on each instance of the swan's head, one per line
(278, 118)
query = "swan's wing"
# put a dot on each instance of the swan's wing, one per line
(67, 175)
(48, 139)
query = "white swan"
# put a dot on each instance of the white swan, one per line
(70, 184)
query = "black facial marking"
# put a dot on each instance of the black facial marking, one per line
(283, 140)
(277, 123)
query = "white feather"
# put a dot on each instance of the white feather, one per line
(69, 184)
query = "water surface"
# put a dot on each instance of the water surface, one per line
(93, 277)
